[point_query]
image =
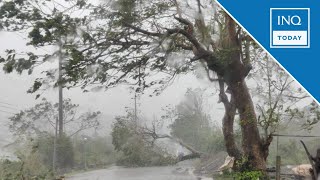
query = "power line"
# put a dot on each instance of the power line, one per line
(1, 102)
(7, 112)
(288, 135)
(9, 107)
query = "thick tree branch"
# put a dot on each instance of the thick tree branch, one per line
(312, 162)
(199, 51)
(137, 29)
(183, 21)
(228, 121)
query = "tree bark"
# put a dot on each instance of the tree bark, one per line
(228, 122)
(251, 142)
(227, 63)
(234, 76)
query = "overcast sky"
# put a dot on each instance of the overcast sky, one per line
(111, 103)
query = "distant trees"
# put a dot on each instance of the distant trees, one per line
(39, 125)
(193, 126)
(189, 127)
(95, 151)
(43, 146)
(41, 119)
(34, 157)
(28, 167)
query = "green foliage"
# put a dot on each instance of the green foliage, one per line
(41, 119)
(9, 9)
(135, 151)
(245, 170)
(28, 165)
(65, 153)
(86, 41)
(43, 146)
(35, 156)
(248, 175)
(312, 116)
(35, 87)
(97, 151)
(120, 133)
(192, 125)
(8, 67)
(35, 128)
(74, 153)
(12, 63)
(50, 31)
(45, 27)
(280, 104)
(127, 11)
(245, 175)
(24, 169)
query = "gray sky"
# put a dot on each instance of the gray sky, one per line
(111, 103)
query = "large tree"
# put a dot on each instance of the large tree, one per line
(144, 44)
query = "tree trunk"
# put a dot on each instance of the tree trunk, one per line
(228, 122)
(228, 133)
(251, 142)
(234, 75)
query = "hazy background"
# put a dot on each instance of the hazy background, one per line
(111, 103)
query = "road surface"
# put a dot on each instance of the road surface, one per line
(146, 173)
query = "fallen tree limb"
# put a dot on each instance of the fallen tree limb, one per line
(312, 162)
(152, 135)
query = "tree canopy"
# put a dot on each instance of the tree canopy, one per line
(115, 42)
(145, 44)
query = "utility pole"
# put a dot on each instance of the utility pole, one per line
(54, 158)
(60, 90)
(59, 120)
(85, 152)
(135, 107)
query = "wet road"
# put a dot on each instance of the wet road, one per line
(146, 173)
